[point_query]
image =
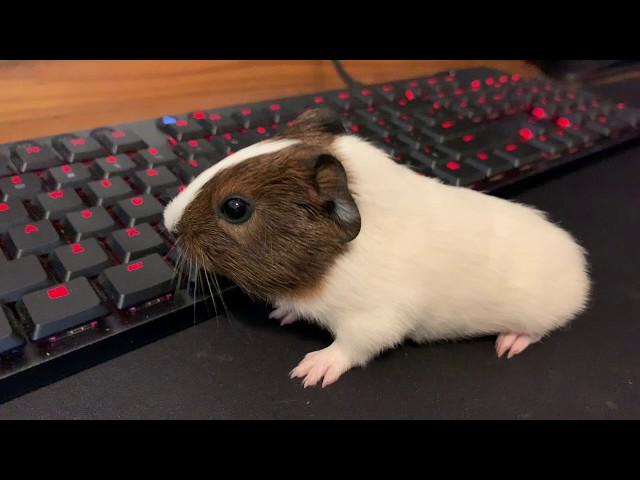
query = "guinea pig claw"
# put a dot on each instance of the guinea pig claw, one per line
(513, 343)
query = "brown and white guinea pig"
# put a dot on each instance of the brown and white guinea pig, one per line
(328, 228)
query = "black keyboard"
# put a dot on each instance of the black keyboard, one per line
(84, 256)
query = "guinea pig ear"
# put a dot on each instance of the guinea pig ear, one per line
(332, 185)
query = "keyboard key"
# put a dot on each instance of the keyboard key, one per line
(21, 276)
(83, 259)
(21, 187)
(457, 173)
(250, 118)
(6, 167)
(12, 213)
(279, 114)
(63, 307)
(9, 340)
(28, 156)
(156, 157)
(154, 180)
(67, 176)
(547, 144)
(37, 238)
(75, 149)
(471, 142)
(53, 205)
(216, 123)
(113, 165)
(137, 282)
(135, 242)
(446, 129)
(170, 193)
(106, 192)
(198, 149)
(489, 163)
(187, 171)
(91, 222)
(141, 209)
(181, 128)
(118, 141)
(518, 153)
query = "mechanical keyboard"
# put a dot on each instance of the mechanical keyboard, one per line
(83, 253)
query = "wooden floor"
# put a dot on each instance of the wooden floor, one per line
(48, 97)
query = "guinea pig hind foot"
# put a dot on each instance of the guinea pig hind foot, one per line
(285, 316)
(513, 343)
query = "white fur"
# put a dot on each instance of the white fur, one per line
(174, 210)
(439, 262)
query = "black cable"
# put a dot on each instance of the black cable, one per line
(346, 78)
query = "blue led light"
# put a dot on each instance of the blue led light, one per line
(168, 120)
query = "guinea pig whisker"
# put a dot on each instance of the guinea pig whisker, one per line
(213, 300)
(195, 291)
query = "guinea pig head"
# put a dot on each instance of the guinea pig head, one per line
(272, 217)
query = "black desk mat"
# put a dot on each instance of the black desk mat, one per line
(237, 368)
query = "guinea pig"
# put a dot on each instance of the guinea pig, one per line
(328, 228)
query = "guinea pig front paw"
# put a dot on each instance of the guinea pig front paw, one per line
(514, 343)
(327, 365)
(285, 316)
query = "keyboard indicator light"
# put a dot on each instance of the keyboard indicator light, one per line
(76, 248)
(58, 292)
(134, 266)
(30, 229)
(169, 120)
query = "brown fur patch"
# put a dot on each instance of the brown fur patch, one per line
(295, 231)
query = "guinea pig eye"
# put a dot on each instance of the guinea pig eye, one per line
(235, 210)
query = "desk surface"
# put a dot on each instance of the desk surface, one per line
(237, 368)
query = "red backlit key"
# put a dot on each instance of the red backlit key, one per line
(12, 213)
(63, 307)
(518, 153)
(188, 170)
(457, 173)
(113, 165)
(154, 180)
(24, 186)
(118, 141)
(84, 259)
(21, 276)
(156, 157)
(75, 149)
(198, 149)
(279, 114)
(90, 222)
(489, 163)
(448, 128)
(216, 123)
(37, 238)
(106, 192)
(53, 205)
(252, 118)
(140, 209)
(135, 242)
(170, 193)
(181, 128)
(471, 142)
(34, 156)
(9, 341)
(67, 176)
(137, 282)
